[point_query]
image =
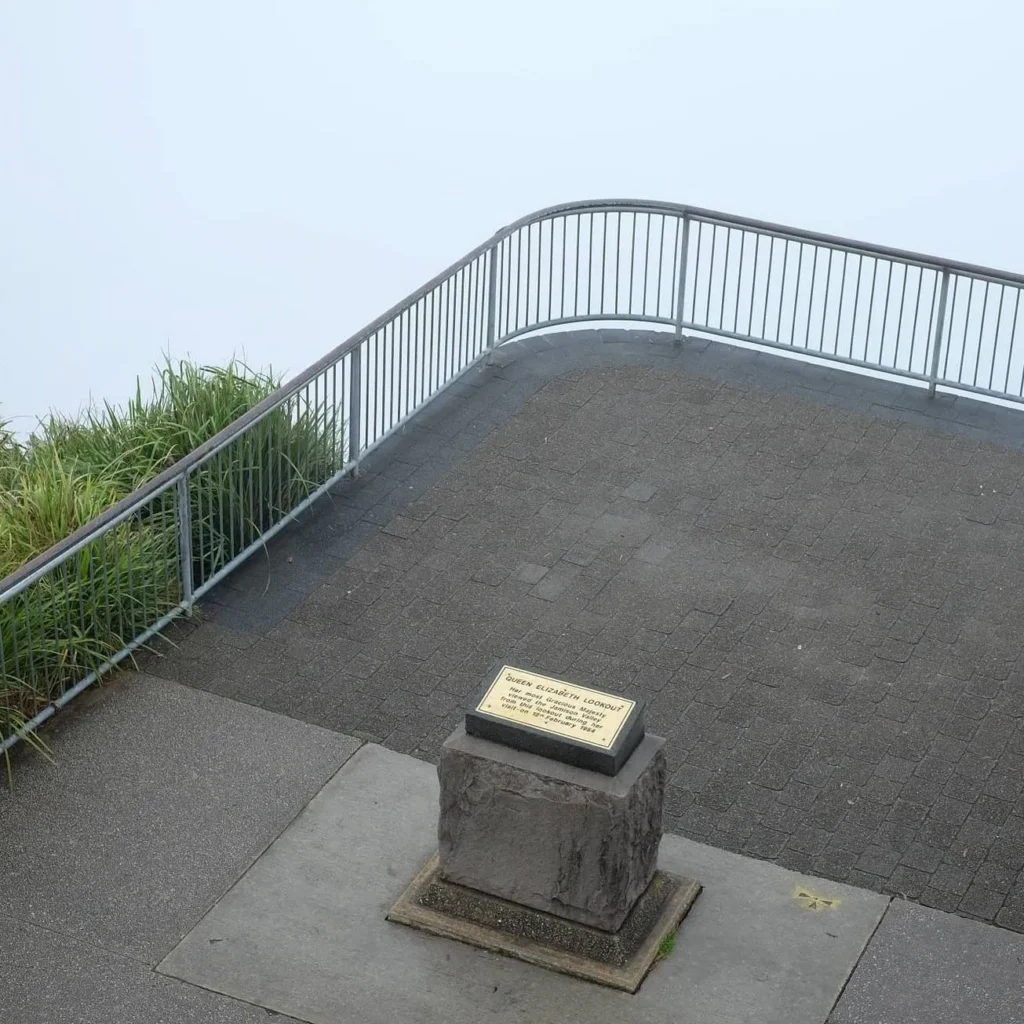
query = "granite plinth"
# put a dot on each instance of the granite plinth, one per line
(557, 719)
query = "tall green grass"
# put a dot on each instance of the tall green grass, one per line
(71, 621)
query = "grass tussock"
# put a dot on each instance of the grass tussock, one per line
(73, 619)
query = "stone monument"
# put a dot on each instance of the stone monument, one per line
(550, 821)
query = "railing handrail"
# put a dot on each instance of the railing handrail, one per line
(31, 570)
(767, 227)
(23, 576)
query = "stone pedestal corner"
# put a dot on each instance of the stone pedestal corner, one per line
(560, 839)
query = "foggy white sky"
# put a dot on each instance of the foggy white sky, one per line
(263, 178)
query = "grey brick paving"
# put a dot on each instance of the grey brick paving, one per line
(817, 580)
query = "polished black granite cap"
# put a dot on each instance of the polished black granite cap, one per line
(566, 722)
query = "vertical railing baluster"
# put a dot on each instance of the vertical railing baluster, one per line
(355, 405)
(185, 542)
(681, 291)
(492, 294)
(940, 323)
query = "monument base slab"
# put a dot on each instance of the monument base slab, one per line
(619, 960)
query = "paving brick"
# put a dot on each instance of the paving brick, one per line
(835, 864)
(963, 789)
(922, 857)
(1008, 853)
(940, 900)
(782, 818)
(1006, 788)
(907, 882)
(895, 769)
(765, 843)
(981, 902)
(810, 840)
(798, 794)
(640, 492)
(952, 879)
(1011, 915)
(796, 860)
(921, 791)
(995, 877)
(878, 862)
(992, 810)
(531, 573)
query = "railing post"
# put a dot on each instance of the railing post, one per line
(185, 542)
(492, 295)
(355, 406)
(681, 296)
(940, 325)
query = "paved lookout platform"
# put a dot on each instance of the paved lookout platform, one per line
(815, 578)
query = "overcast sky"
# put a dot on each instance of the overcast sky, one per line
(210, 178)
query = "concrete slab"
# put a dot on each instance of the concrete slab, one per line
(927, 967)
(51, 979)
(159, 798)
(303, 932)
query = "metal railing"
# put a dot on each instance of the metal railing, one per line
(78, 609)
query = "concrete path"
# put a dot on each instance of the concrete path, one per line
(160, 797)
(926, 967)
(817, 579)
(252, 857)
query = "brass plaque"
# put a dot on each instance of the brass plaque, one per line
(564, 709)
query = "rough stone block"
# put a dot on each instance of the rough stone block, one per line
(547, 835)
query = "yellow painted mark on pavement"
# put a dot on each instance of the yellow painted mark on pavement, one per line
(812, 901)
